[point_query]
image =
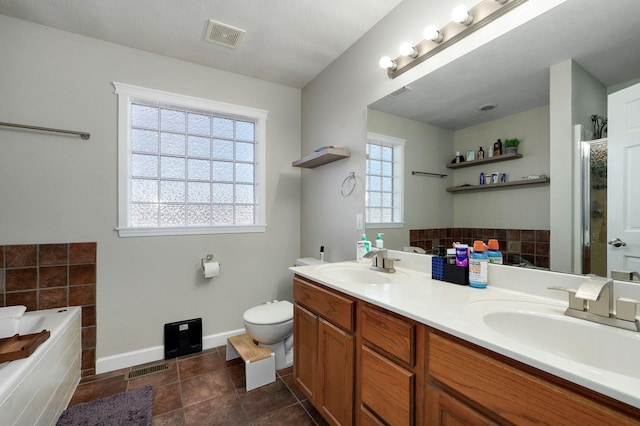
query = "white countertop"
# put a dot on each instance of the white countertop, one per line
(453, 309)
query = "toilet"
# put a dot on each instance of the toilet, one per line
(271, 325)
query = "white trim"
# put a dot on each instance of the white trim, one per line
(383, 225)
(156, 353)
(377, 137)
(189, 230)
(126, 93)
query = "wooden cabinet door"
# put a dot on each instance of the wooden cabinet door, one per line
(444, 410)
(305, 351)
(387, 389)
(335, 374)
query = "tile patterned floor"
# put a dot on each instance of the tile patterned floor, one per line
(204, 389)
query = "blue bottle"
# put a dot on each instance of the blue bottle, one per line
(478, 266)
(494, 252)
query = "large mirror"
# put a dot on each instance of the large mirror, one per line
(541, 83)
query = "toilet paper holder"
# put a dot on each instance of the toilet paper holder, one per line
(206, 259)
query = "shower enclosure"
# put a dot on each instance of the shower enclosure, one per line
(594, 208)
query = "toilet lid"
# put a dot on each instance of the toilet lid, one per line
(270, 313)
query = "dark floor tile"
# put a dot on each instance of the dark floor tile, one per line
(174, 418)
(238, 376)
(166, 398)
(285, 371)
(292, 415)
(265, 399)
(295, 390)
(196, 365)
(206, 386)
(100, 389)
(223, 410)
(314, 414)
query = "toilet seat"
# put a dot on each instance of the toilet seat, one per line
(270, 313)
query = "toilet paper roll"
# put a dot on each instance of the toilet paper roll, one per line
(211, 269)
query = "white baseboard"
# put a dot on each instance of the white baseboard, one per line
(156, 353)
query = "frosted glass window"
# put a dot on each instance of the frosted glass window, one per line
(189, 164)
(384, 181)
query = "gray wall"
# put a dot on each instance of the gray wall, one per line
(62, 189)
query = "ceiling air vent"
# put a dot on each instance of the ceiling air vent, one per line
(225, 35)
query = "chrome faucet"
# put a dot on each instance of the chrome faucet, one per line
(593, 301)
(380, 261)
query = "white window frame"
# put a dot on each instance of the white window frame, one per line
(128, 93)
(398, 179)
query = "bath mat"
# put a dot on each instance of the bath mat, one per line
(131, 408)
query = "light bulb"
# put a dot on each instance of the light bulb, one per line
(432, 33)
(387, 63)
(502, 1)
(407, 49)
(461, 14)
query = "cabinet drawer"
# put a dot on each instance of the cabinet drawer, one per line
(391, 334)
(330, 305)
(387, 389)
(513, 394)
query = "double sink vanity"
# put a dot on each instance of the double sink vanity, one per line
(375, 348)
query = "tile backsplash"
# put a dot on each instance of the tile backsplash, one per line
(518, 246)
(45, 276)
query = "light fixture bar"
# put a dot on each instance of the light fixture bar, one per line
(483, 13)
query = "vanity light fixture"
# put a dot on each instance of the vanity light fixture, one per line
(407, 49)
(431, 33)
(461, 15)
(387, 63)
(436, 40)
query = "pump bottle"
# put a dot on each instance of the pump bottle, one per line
(379, 242)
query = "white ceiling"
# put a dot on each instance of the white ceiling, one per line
(513, 70)
(287, 41)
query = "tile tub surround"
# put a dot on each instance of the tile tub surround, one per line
(45, 276)
(516, 245)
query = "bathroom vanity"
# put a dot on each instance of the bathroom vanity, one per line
(402, 349)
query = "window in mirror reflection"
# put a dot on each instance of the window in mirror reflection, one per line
(384, 181)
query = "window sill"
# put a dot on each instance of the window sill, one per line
(394, 225)
(191, 230)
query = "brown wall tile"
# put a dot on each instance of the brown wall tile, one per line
(1, 256)
(53, 254)
(543, 236)
(53, 276)
(88, 337)
(53, 298)
(21, 255)
(513, 234)
(528, 247)
(82, 253)
(26, 298)
(527, 235)
(88, 358)
(542, 249)
(82, 274)
(21, 279)
(82, 295)
(1, 282)
(88, 316)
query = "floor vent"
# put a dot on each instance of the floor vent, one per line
(223, 34)
(145, 371)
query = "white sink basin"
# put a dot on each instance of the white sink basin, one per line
(544, 327)
(358, 274)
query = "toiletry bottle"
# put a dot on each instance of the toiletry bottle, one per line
(497, 148)
(478, 266)
(470, 155)
(362, 247)
(490, 149)
(462, 255)
(451, 256)
(481, 178)
(480, 154)
(321, 253)
(493, 253)
(458, 159)
(379, 242)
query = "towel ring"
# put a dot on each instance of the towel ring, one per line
(350, 183)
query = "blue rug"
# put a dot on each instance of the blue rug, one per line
(131, 408)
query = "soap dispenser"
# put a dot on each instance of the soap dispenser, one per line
(379, 242)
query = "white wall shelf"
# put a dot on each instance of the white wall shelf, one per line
(321, 157)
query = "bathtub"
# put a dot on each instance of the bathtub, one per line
(35, 390)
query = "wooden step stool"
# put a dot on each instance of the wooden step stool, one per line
(259, 362)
